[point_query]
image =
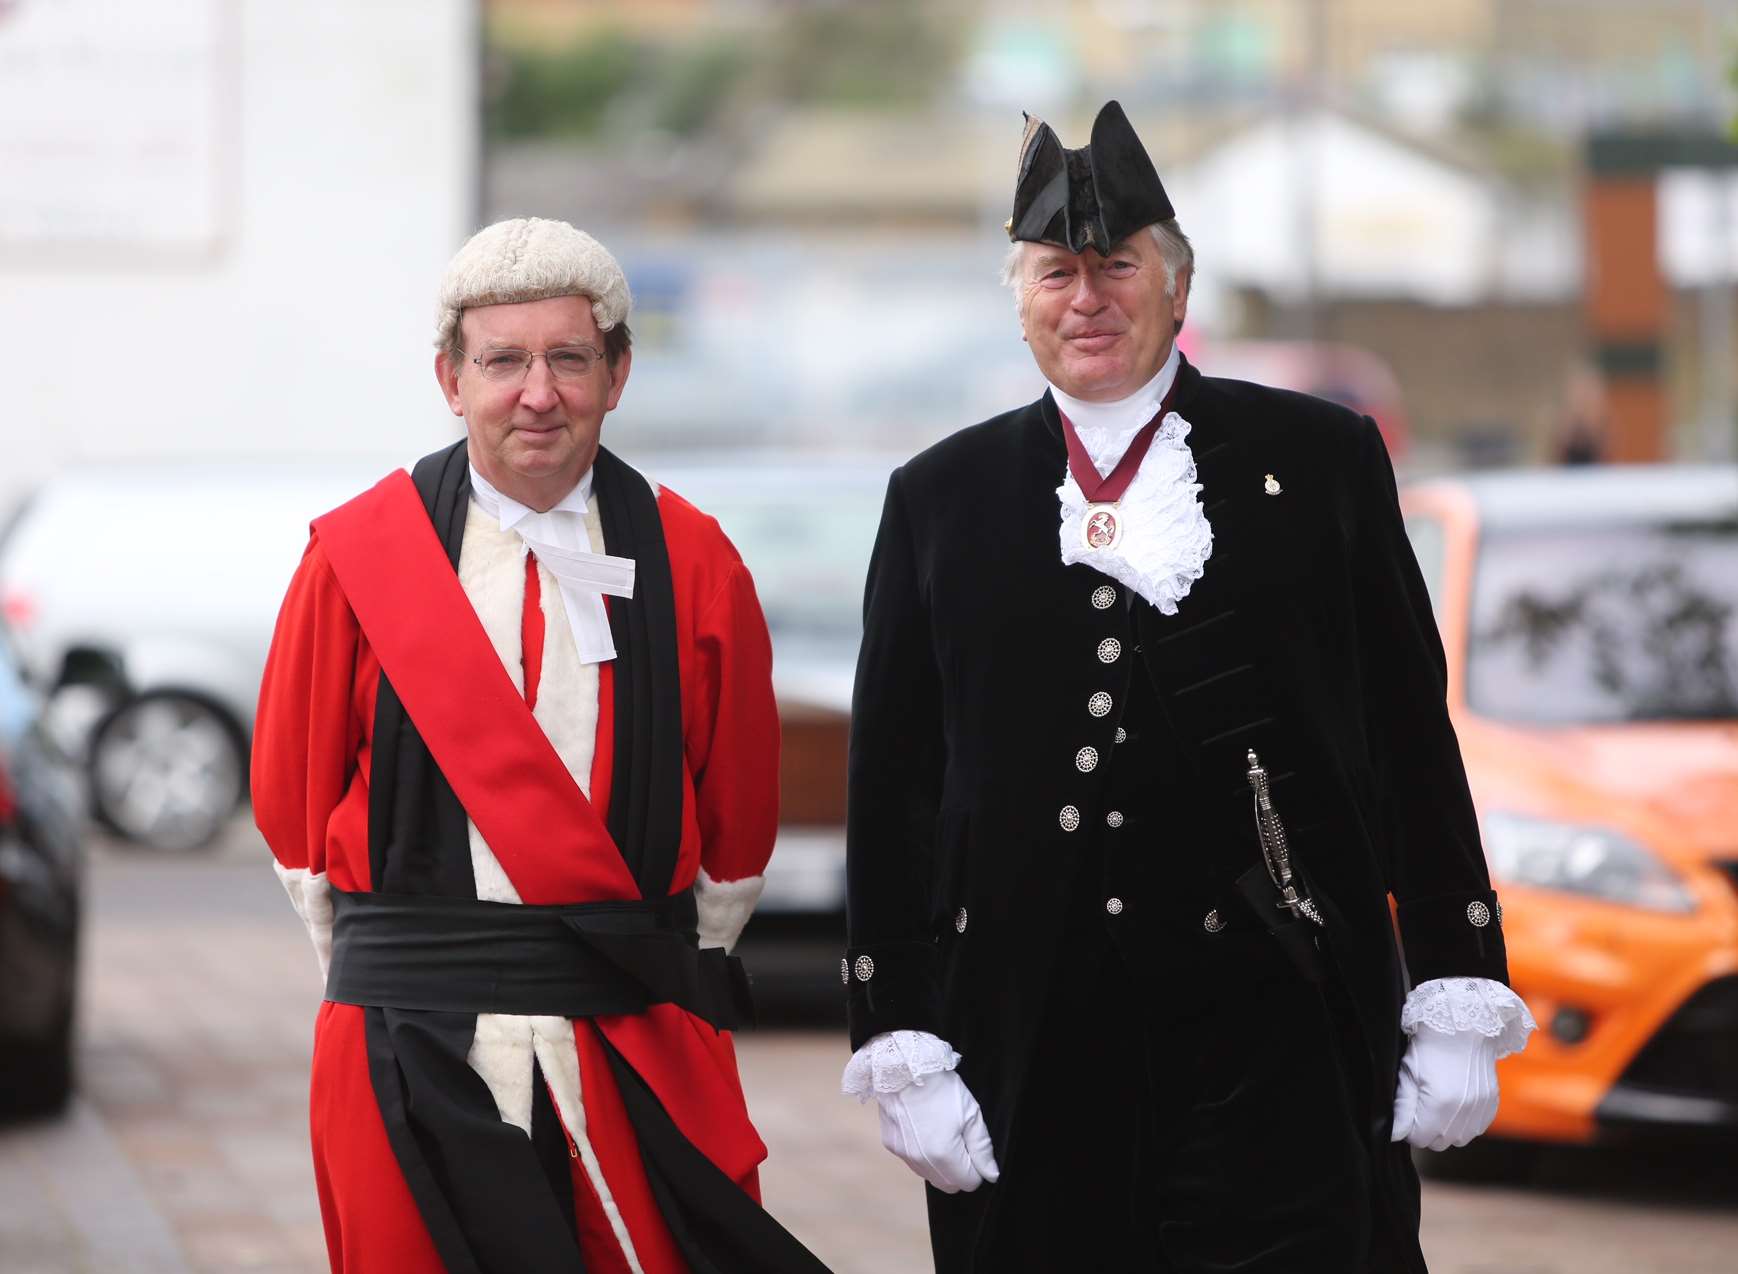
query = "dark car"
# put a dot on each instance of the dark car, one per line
(41, 867)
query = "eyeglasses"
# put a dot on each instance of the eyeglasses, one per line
(568, 362)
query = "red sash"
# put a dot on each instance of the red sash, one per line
(502, 767)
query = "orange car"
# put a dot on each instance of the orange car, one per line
(1591, 623)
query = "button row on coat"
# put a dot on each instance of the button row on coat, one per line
(1098, 705)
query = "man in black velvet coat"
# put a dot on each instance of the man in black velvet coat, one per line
(1149, 728)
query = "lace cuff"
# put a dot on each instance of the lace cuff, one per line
(1454, 1005)
(895, 1060)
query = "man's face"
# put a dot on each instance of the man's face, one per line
(532, 436)
(1100, 326)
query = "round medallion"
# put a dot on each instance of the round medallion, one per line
(959, 920)
(1113, 819)
(1114, 906)
(1101, 526)
(1109, 650)
(1214, 922)
(865, 968)
(1069, 818)
(1499, 911)
(1478, 914)
(1103, 597)
(1086, 760)
(1121, 735)
(844, 972)
(1099, 705)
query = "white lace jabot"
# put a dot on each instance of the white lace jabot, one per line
(1166, 538)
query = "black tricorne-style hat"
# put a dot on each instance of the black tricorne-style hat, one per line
(1097, 195)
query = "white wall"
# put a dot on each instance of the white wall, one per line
(222, 223)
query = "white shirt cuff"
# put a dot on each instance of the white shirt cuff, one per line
(893, 1061)
(1478, 1005)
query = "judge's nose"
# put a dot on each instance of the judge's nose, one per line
(538, 392)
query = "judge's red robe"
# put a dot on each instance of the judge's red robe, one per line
(310, 779)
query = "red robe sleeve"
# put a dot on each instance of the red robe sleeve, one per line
(733, 754)
(308, 772)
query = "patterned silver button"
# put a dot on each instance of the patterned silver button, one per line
(865, 968)
(1104, 597)
(1069, 818)
(1214, 921)
(1478, 914)
(1114, 818)
(1499, 911)
(1100, 704)
(1109, 650)
(844, 971)
(1121, 735)
(1086, 760)
(1114, 906)
(959, 920)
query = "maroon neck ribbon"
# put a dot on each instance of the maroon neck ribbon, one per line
(1109, 489)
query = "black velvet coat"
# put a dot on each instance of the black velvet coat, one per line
(981, 651)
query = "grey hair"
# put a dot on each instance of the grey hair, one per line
(1175, 251)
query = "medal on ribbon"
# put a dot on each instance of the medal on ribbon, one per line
(1101, 524)
(1102, 528)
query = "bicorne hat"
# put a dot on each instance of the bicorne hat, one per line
(1097, 195)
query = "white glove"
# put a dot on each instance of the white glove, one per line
(1447, 1093)
(1460, 1029)
(929, 1117)
(937, 1128)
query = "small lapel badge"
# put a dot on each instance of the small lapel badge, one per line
(1271, 486)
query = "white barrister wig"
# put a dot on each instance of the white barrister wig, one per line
(530, 259)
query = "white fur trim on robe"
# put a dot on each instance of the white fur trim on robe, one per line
(311, 896)
(492, 571)
(725, 906)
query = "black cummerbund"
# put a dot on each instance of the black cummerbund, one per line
(462, 955)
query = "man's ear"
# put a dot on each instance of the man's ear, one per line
(619, 379)
(447, 373)
(1180, 301)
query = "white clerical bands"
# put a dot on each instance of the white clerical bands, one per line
(584, 576)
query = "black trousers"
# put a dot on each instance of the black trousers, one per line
(1196, 1119)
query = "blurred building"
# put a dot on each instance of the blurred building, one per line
(222, 223)
(1407, 179)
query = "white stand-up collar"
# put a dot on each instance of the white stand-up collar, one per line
(1106, 429)
(511, 512)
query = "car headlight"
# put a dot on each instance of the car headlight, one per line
(1581, 858)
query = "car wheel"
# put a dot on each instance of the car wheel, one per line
(1487, 1161)
(166, 771)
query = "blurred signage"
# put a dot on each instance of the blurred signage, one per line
(116, 122)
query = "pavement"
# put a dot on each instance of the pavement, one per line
(186, 1148)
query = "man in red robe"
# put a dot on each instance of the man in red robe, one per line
(524, 826)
